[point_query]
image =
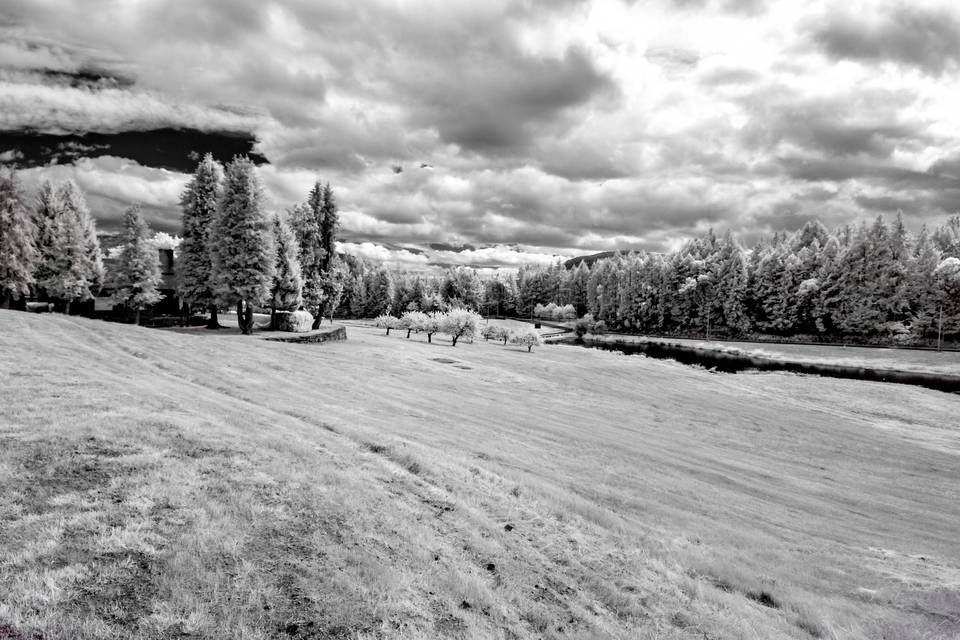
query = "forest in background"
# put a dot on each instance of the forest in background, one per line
(874, 281)
(871, 282)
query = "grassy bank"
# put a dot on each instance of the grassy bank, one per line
(160, 484)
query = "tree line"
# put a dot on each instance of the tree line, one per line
(458, 323)
(873, 281)
(233, 252)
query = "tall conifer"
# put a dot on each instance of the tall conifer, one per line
(243, 251)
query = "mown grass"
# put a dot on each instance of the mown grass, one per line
(159, 485)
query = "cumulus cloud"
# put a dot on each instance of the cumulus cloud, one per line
(927, 38)
(524, 130)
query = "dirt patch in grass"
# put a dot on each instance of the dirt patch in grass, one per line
(47, 468)
(405, 460)
(118, 589)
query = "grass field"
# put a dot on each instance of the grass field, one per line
(161, 485)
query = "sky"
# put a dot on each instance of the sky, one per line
(498, 133)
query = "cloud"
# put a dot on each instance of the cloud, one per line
(520, 129)
(915, 36)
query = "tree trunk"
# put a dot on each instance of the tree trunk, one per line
(388, 330)
(66, 309)
(455, 340)
(429, 338)
(504, 342)
(529, 347)
(273, 319)
(213, 322)
(136, 316)
(317, 319)
(245, 317)
(5, 301)
(408, 333)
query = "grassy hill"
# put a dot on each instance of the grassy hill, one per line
(155, 484)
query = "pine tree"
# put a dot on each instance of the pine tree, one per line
(199, 205)
(243, 255)
(924, 294)
(78, 269)
(47, 219)
(18, 253)
(137, 271)
(286, 294)
(378, 287)
(306, 220)
(329, 225)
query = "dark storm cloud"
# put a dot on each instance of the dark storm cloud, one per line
(497, 108)
(556, 124)
(174, 149)
(866, 123)
(928, 39)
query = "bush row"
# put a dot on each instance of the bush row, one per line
(457, 323)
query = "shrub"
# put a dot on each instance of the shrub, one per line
(295, 321)
(586, 325)
(566, 312)
(526, 337)
(461, 323)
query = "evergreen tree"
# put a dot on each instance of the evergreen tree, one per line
(329, 225)
(947, 238)
(199, 205)
(243, 252)
(286, 292)
(462, 287)
(307, 222)
(78, 269)
(18, 254)
(378, 287)
(138, 271)
(923, 291)
(47, 219)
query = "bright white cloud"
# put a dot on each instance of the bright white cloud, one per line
(564, 127)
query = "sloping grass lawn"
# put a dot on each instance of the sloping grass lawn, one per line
(156, 484)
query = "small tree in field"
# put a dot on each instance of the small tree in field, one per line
(461, 323)
(413, 321)
(18, 254)
(495, 332)
(138, 272)
(243, 257)
(489, 331)
(526, 337)
(431, 324)
(387, 322)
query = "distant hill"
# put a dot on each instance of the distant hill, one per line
(590, 259)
